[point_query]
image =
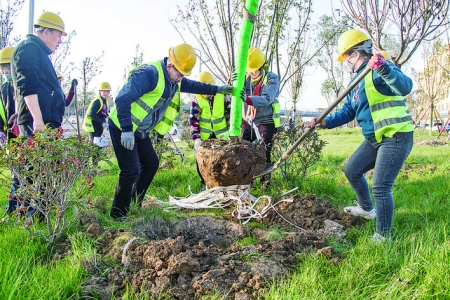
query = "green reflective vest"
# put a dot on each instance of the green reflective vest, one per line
(214, 122)
(142, 106)
(389, 113)
(87, 124)
(276, 107)
(3, 116)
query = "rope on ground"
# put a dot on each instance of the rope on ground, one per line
(247, 206)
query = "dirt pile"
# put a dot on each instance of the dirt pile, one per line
(226, 163)
(200, 256)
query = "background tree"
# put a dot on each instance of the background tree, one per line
(409, 21)
(8, 15)
(328, 34)
(417, 105)
(434, 80)
(89, 69)
(138, 59)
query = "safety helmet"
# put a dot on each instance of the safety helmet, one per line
(104, 86)
(58, 74)
(183, 58)
(50, 20)
(6, 54)
(349, 39)
(206, 77)
(256, 59)
(385, 54)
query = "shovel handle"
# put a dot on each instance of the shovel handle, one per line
(319, 119)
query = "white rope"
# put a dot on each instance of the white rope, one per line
(247, 206)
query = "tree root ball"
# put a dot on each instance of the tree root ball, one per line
(225, 163)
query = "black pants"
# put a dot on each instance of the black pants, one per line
(137, 170)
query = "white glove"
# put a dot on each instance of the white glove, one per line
(197, 143)
(127, 140)
(105, 125)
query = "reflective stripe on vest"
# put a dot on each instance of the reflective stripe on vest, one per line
(389, 113)
(276, 108)
(142, 106)
(212, 123)
(3, 116)
(87, 124)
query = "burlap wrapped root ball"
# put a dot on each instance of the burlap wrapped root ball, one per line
(225, 163)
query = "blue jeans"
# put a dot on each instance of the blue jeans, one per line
(386, 158)
(137, 169)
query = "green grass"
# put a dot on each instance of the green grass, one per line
(414, 266)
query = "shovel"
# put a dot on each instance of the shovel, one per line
(76, 112)
(288, 152)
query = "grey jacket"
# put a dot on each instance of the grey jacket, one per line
(262, 100)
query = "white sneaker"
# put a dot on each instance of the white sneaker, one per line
(358, 211)
(378, 238)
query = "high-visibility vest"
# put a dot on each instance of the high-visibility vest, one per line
(3, 116)
(87, 124)
(389, 113)
(214, 122)
(141, 107)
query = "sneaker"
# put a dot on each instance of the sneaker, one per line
(358, 211)
(378, 238)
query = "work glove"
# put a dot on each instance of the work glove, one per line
(376, 61)
(12, 119)
(105, 125)
(74, 84)
(225, 89)
(246, 99)
(314, 123)
(127, 140)
(197, 143)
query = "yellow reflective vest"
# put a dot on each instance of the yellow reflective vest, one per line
(215, 121)
(276, 107)
(3, 116)
(87, 124)
(142, 106)
(389, 113)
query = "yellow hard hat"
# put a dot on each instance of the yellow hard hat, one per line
(256, 59)
(58, 74)
(183, 58)
(6, 54)
(50, 20)
(104, 86)
(206, 77)
(348, 40)
(386, 54)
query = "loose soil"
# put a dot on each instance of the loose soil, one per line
(226, 163)
(200, 256)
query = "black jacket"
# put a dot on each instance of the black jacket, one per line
(7, 95)
(33, 73)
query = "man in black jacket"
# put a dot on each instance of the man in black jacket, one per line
(39, 97)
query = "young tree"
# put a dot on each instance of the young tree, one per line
(281, 31)
(138, 59)
(434, 80)
(410, 21)
(89, 69)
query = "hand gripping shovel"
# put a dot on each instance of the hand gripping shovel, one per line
(288, 152)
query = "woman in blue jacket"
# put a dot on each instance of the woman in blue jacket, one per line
(378, 104)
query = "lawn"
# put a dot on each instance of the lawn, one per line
(414, 266)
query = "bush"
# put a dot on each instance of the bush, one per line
(52, 172)
(307, 153)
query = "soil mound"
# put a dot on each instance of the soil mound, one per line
(201, 256)
(226, 163)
